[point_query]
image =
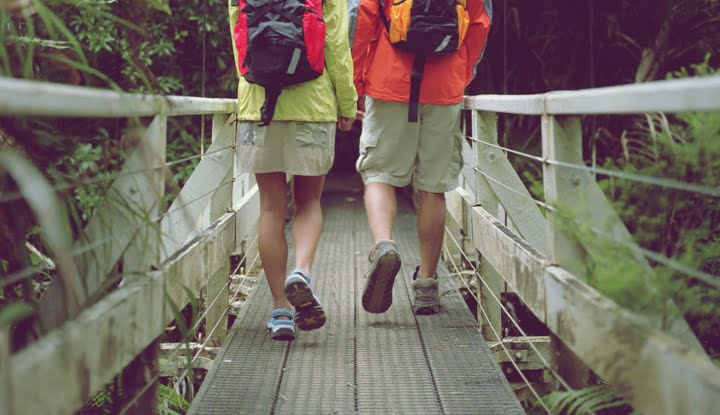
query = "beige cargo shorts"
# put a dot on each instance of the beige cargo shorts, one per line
(298, 148)
(395, 152)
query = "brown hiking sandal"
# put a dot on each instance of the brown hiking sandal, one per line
(309, 313)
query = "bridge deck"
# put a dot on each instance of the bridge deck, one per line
(387, 363)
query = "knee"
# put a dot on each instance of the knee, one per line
(424, 196)
(277, 208)
(307, 201)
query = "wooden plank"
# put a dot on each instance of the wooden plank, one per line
(657, 373)
(523, 351)
(677, 95)
(515, 260)
(20, 97)
(512, 193)
(187, 216)
(126, 209)
(511, 104)
(69, 369)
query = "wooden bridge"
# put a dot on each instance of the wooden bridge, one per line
(138, 262)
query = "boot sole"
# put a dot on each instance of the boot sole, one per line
(377, 297)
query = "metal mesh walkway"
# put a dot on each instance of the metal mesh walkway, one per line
(390, 363)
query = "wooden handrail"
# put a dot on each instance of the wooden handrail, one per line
(22, 97)
(677, 95)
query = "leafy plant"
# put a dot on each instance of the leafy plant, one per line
(170, 402)
(593, 400)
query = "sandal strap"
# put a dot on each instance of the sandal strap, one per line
(281, 312)
(301, 273)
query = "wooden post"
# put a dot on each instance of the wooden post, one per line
(454, 218)
(189, 213)
(144, 250)
(135, 380)
(219, 122)
(123, 215)
(221, 201)
(560, 183)
(484, 126)
(217, 291)
(5, 378)
(138, 378)
(563, 144)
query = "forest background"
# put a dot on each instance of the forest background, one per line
(535, 46)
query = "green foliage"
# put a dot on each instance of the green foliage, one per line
(14, 312)
(170, 402)
(105, 401)
(593, 400)
(681, 225)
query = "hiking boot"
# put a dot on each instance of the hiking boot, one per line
(427, 294)
(384, 266)
(309, 313)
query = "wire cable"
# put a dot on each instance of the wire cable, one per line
(503, 308)
(509, 150)
(656, 181)
(524, 196)
(509, 355)
(66, 186)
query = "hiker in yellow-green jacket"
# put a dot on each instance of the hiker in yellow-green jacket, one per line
(290, 129)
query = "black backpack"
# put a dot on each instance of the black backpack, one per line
(279, 43)
(425, 28)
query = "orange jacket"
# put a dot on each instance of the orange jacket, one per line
(382, 71)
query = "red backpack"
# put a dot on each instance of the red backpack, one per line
(279, 43)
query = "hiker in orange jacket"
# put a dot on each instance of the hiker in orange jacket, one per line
(395, 152)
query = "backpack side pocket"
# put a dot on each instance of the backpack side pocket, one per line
(399, 20)
(463, 20)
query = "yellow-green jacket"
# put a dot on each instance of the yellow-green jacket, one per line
(319, 100)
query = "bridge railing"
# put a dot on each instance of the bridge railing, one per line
(166, 257)
(214, 216)
(506, 240)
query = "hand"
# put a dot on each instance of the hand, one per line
(345, 123)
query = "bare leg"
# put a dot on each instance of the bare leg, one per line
(308, 221)
(381, 207)
(272, 243)
(431, 230)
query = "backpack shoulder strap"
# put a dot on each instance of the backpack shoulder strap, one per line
(383, 17)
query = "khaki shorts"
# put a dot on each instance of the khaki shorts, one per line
(395, 152)
(298, 148)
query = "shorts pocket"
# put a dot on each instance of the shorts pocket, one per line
(312, 135)
(368, 152)
(250, 134)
